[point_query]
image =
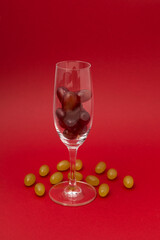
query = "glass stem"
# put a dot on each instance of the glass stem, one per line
(72, 155)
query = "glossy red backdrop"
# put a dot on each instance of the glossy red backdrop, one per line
(121, 41)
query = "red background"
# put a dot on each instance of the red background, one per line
(121, 39)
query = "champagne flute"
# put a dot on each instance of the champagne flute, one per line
(73, 113)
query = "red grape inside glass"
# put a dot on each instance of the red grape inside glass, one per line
(73, 112)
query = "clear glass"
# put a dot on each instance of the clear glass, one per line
(73, 113)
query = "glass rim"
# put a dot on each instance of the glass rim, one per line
(77, 61)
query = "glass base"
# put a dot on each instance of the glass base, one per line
(66, 195)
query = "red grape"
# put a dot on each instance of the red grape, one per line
(71, 119)
(61, 91)
(60, 113)
(70, 101)
(84, 95)
(69, 134)
(84, 118)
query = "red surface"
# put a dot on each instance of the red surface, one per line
(121, 40)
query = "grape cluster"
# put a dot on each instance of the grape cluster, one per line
(93, 180)
(72, 117)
